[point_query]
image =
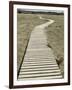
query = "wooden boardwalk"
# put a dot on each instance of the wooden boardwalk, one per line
(39, 61)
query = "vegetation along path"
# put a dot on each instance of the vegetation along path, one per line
(39, 61)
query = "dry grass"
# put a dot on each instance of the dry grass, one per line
(55, 37)
(54, 33)
(25, 24)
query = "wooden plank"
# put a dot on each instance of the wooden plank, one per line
(41, 78)
(39, 75)
(39, 69)
(31, 72)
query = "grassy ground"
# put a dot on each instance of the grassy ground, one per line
(55, 37)
(25, 24)
(54, 33)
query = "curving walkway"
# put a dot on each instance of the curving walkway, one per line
(39, 61)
